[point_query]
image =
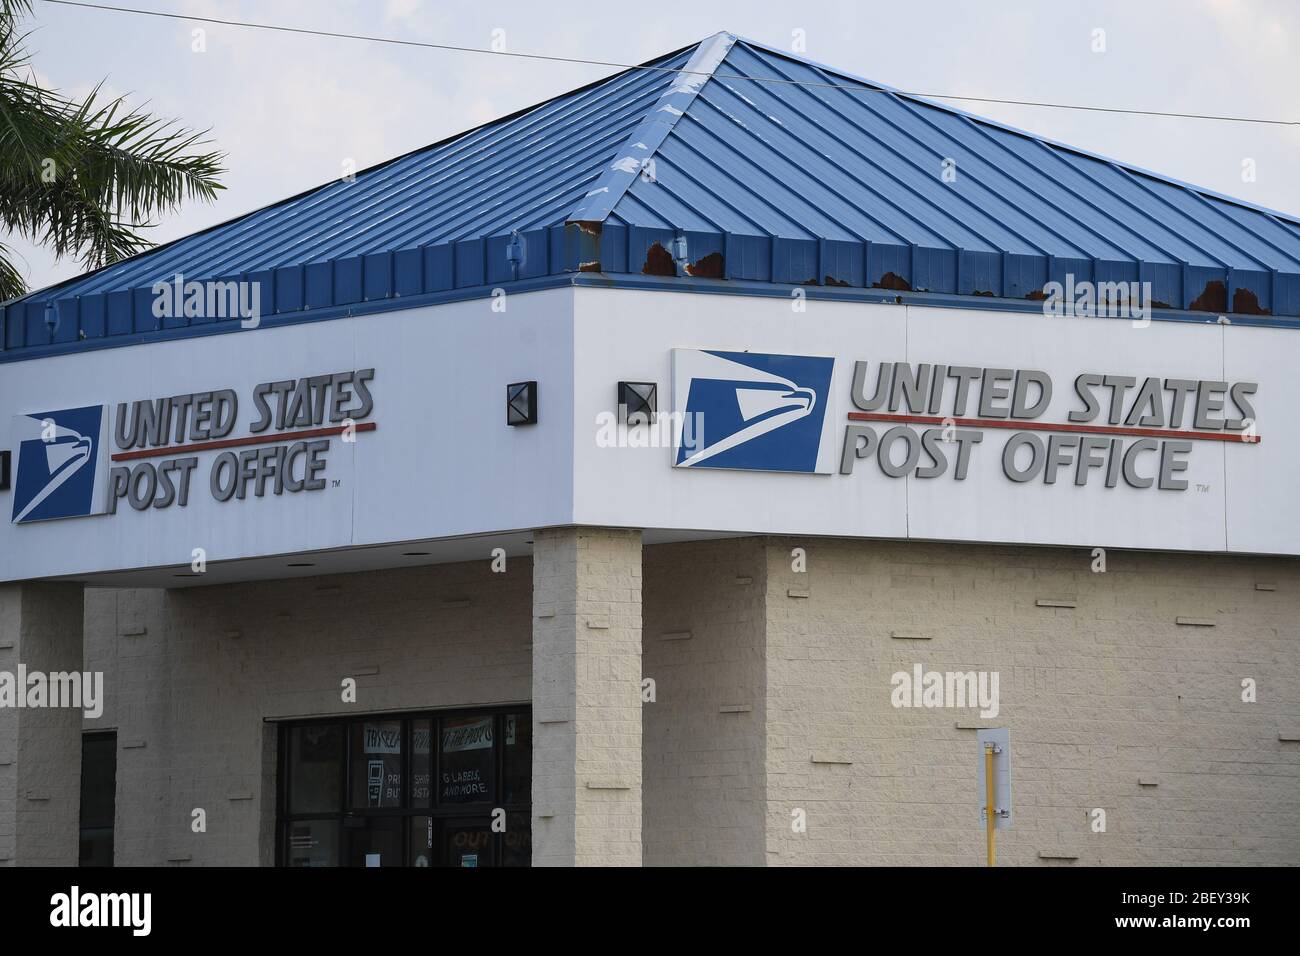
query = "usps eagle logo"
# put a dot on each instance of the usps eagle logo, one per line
(59, 460)
(750, 410)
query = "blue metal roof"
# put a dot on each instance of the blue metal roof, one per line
(728, 161)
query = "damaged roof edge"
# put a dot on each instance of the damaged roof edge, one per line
(701, 279)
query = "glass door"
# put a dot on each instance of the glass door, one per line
(467, 842)
(373, 841)
(431, 789)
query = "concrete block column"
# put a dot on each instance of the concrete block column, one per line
(40, 748)
(586, 697)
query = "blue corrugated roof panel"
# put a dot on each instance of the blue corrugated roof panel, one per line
(775, 147)
(739, 162)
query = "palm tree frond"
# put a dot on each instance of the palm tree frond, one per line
(82, 177)
(12, 283)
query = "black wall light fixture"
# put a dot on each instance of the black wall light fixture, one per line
(521, 403)
(4, 470)
(637, 402)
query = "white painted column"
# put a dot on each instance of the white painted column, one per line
(586, 697)
(40, 748)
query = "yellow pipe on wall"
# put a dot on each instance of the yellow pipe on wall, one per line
(988, 803)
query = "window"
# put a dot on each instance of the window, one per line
(312, 843)
(517, 841)
(407, 790)
(376, 765)
(316, 762)
(467, 759)
(98, 792)
(421, 762)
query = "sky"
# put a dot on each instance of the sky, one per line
(291, 112)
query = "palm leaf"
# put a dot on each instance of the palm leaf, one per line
(82, 177)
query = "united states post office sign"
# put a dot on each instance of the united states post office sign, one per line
(769, 412)
(155, 453)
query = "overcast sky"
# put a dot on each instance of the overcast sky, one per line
(290, 110)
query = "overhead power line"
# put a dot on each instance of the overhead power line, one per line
(397, 41)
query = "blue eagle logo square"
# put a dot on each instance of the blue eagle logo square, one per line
(752, 411)
(59, 455)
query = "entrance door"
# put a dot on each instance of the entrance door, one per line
(467, 842)
(424, 789)
(374, 841)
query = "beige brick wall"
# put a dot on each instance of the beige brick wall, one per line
(1099, 698)
(188, 698)
(703, 752)
(586, 697)
(40, 748)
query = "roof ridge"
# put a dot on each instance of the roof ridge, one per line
(632, 157)
(1292, 218)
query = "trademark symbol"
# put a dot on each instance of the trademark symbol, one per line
(338, 482)
(1202, 488)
